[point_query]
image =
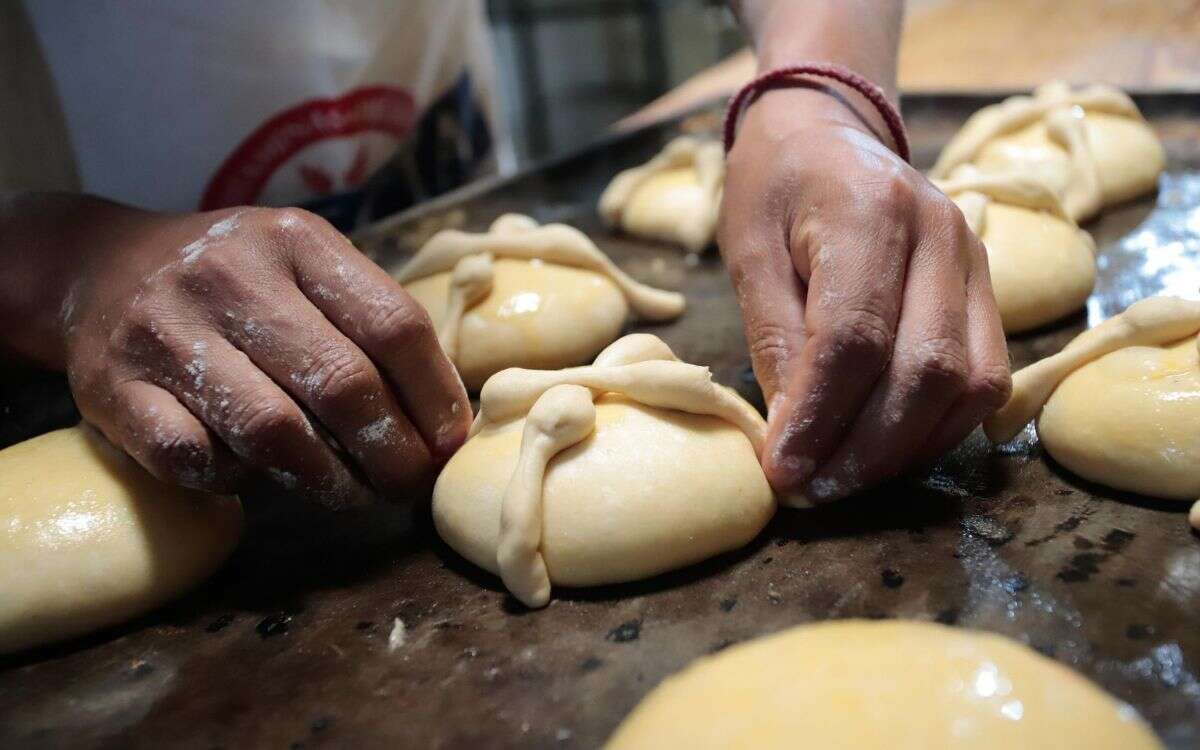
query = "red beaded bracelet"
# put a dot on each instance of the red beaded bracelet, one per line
(874, 94)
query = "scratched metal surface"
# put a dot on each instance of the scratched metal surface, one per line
(289, 645)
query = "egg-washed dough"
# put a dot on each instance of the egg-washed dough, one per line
(1042, 265)
(881, 684)
(89, 539)
(635, 465)
(524, 295)
(1090, 145)
(675, 197)
(1120, 404)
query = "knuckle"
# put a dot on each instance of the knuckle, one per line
(287, 224)
(942, 361)
(258, 422)
(400, 322)
(991, 385)
(770, 341)
(337, 373)
(863, 334)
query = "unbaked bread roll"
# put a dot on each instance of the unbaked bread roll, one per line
(633, 466)
(1090, 145)
(89, 539)
(675, 197)
(881, 684)
(1042, 265)
(524, 295)
(1120, 404)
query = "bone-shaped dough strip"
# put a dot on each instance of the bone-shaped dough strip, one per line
(1149, 322)
(1016, 112)
(1004, 187)
(1082, 195)
(561, 417)
(668, 385)
(520, 237)
(469, 284)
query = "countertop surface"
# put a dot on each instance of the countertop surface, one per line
(296, 642)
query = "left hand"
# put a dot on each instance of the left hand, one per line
(868, 307)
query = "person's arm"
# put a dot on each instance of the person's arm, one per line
(867, 303)
(211, 346)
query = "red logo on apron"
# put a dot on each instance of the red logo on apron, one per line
(241, 178)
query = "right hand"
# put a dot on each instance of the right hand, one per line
(216, 346)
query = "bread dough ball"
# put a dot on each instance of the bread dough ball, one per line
(526, 295)
(657, 205)
(650, 490)
(675, 197)
(1128, 420)
(894, 684)
(1129, 157)
(1042, 266)
(539, 315)
(89, 539)
(1089, 145)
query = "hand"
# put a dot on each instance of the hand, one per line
(213, 346)
(867, 303)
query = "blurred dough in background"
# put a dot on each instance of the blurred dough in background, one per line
(1042, 265)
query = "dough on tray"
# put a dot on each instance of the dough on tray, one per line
(876, 684)
(1120, 404)
(524, 295)
(675, 197)
(89, 539)
(1090, 145)
(618, 471)
(1042, 265)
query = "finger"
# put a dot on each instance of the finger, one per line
(151, 425)
(374, 312)
(770, 295)
(989, 382)
(851, 312)
(325, 372)
(260, 423)
(926, 374)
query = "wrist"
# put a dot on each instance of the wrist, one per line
(811, 105)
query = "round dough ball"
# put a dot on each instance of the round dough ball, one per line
(1129, 157)
(663, 202)
(1128, 153)
(538, 315)
(1042, 267)
(861, 684)
(650, 490)
(1128, 420)
(1031, 150)
(89, 539)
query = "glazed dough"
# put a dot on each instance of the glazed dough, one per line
(89, 539)
(524, 295)
(1091, 145)
(1143, 435)
(614, 472)
(675, 197)
(869, 684)
(1119, 405)
(1042, 265)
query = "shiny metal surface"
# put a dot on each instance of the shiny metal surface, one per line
(290, 646)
